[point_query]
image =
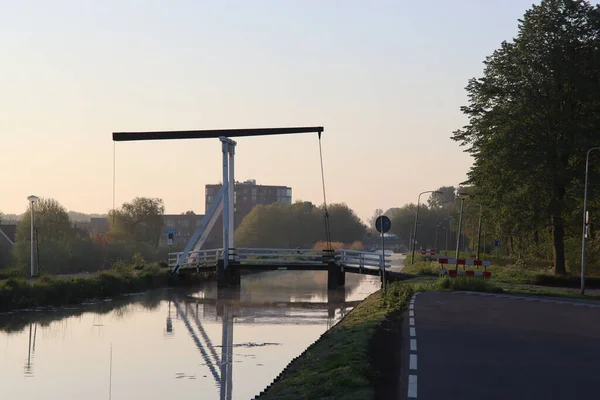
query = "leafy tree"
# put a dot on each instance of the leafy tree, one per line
(533, 115)
(138, 221)
(447, 197)
(376, 215)
(298, 225)
(346, 226)
(54, 235)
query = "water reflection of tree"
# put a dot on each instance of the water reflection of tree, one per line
(285, 285)
(280, 286)
(18, 321)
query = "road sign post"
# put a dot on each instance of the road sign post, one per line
(383, 224)
(170, 233)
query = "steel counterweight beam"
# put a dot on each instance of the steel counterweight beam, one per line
(212, 133)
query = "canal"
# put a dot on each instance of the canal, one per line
(197, 343)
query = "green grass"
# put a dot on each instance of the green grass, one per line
(19, 293)
(337, 365)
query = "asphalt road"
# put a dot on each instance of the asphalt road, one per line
(480, 346)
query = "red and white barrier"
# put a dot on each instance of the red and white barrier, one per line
(453, 272)
(460, 261)
(428, 252)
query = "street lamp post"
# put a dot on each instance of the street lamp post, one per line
(414, 238)
(32, 199)
(479, 231)
(462, 196)
(448, 232)
(585, 219)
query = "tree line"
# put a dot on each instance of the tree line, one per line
(136, 227)
(61, 247)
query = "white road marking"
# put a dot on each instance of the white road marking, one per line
(411, 322)
(411, 306)
(413, 344)
(413, 362)
(411, 313)
(412, 387)
(413, 332)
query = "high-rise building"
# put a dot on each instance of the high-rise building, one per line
(246, 195)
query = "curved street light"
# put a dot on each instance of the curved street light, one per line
(32, 199)
(414, 238)
(585, 219)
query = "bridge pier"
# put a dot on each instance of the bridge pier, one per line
(335, 299)
(227, 277)
(336, 276)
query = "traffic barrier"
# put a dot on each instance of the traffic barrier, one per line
(461, 261)
(428, 252)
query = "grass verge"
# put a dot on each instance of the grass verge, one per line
(354, 359)
(349, 361)
(20, 293)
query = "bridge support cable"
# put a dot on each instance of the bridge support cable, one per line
(197, 342)
(326, 212)
(207, 340)
(199, 233)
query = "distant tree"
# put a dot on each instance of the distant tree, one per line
(346, 226)
(376, 214)
(54, 235)
(190, 212)
(533, 115)
(447, 197)
(139, 221)
(298, 225)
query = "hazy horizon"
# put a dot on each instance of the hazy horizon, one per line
(386, 79)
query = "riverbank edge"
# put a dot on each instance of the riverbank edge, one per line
(20, 294)
(346, 361)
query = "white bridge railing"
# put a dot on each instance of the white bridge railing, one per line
(197, 259)
(249, 256)
(278, 256)
(361, 259)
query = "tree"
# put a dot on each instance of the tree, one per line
(298, 225)
(139, 221)
(447, 197)
(54, 235)
(346, 226)
(376, 214)
(533, 115)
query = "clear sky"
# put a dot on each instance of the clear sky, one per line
(385, 78)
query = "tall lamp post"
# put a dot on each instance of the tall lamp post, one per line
(414, 238)
(448, 231)
(585, 219)
(479, 231)
(463, 197)
(32, 199)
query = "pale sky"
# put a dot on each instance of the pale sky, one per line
(385, 78)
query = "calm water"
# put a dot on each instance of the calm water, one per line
(193, 344)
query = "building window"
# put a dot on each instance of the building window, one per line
(170, 223)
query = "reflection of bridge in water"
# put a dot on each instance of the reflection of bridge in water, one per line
(229, 305)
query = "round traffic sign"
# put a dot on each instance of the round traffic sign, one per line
(383, 224)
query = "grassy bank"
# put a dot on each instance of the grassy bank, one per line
(346, 362)
(516, 272)
(354, 359)
(19, 293)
